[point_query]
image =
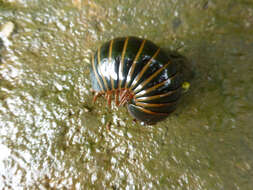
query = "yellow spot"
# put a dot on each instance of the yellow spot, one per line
(186, 86)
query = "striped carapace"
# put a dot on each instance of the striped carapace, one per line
(137, 72)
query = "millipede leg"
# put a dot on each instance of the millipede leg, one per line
(109, 98)
(120, 92)
(126, 98)
(117, 97)
(122, 96)
(122, 101)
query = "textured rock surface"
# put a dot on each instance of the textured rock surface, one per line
(52, 136)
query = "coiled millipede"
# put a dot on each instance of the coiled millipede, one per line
(137, 73)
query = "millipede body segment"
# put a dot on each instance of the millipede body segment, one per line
(138, 73)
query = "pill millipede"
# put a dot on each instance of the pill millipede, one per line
(138, 73)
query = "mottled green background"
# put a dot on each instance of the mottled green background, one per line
(53, 137)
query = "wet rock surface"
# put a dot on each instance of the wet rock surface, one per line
(52, 136)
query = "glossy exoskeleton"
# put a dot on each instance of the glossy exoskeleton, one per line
(137, 73)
